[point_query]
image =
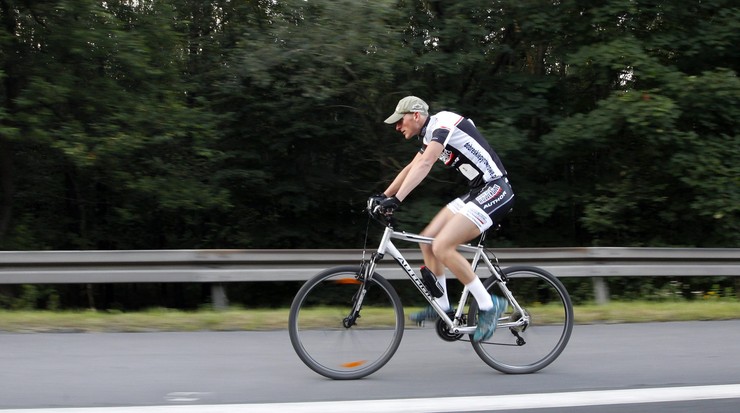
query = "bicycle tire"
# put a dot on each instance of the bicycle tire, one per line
(549, 306)
(319, 336)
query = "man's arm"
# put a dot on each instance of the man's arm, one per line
(416, 171)
(396, 184)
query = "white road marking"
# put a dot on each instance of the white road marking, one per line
(184, 396)
(442, 404)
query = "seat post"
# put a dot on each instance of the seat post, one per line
(494, 227)
(482, 238)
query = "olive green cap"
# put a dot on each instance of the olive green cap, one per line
(409, 104)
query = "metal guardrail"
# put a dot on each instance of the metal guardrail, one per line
(141, 266)
(224, 266)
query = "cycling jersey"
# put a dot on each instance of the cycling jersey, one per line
(465, 149)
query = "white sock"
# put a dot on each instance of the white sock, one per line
(443, 301)
(481, 294)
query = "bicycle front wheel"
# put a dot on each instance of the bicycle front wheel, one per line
(531, 347)
(326, 337)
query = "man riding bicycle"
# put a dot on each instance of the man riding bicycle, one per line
(456, 142)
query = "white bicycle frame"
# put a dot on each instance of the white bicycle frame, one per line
(454, 325)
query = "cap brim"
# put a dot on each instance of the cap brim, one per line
(394, 118)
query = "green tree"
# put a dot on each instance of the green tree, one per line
(111, 156)
(653, 161)
(300, 121)
(178, 124)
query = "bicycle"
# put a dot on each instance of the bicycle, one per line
(347, 322)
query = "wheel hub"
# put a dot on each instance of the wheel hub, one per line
(516, 316)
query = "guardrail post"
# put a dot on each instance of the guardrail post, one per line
(218, 297)
(601, 290)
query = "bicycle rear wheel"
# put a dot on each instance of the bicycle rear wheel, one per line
(527, 349)
(324, 338)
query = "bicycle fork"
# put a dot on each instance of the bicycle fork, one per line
(364, 276)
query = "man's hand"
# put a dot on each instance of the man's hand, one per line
(389, 205)
(374, 201)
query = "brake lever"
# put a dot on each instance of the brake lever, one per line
(382, 215)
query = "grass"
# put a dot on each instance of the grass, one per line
(144, 321)
(638, 312)
(276, 319)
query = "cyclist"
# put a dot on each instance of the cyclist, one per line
(457, 143)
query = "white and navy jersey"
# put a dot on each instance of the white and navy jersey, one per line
(465, 149)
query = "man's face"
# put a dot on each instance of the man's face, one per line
(409, 125)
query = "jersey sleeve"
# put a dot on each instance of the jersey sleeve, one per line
(440, 135)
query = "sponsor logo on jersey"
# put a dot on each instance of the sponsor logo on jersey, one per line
(481, 159)
(489, 194)
(447, 157)
(495, 201)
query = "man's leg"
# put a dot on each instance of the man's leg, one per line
(434, 265)
(431, 230)
(460, 230)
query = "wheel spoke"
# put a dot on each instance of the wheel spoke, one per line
(335, 341)
(533, 346)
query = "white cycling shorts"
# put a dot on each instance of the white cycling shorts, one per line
(487, 206)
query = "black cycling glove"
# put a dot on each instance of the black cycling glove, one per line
(374, 201)
(389, 205)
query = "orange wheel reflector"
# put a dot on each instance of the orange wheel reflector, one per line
(352, 364)
(347, 281)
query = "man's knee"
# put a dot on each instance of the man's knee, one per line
(426, 248)
(428, 252)
(441, 249)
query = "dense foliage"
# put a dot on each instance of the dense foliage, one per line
(258, 123)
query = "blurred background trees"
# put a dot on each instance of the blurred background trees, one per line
(258, 124)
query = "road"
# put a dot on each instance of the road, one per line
(613, 363)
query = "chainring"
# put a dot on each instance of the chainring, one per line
(444, 332)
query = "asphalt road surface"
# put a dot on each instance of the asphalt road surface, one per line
(651, 367)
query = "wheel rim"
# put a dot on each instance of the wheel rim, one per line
(322, 341)
(548, 307)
